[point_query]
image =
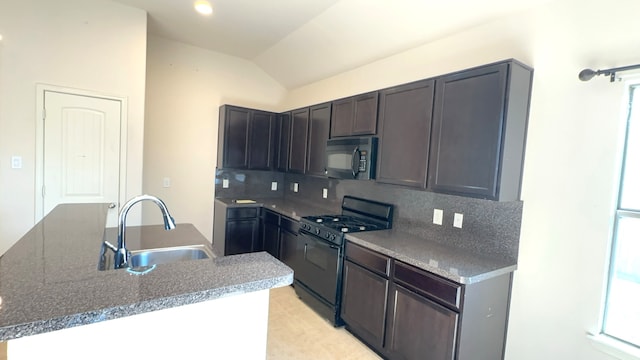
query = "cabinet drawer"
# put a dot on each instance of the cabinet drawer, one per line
(428, 284)
(289, 225)
(242, 213)
(367, 258)
(271, 217)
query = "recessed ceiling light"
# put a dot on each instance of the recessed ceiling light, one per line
(203, 7)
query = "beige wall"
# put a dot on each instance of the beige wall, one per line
(572, 155)
(185, 87)
(91, 45)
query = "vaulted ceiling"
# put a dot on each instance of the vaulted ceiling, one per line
(301, 41)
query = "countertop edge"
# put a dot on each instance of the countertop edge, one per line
(94, 316)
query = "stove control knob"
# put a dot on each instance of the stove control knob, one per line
(332, 237)
(317, 231)
(327, 235)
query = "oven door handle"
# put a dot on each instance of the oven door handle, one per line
(355, 161)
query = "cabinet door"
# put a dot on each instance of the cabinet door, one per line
(234, 126)
(319, 126)
(271, 233)
(418, 328)
(405, 116)
(364, 299)
(356, 115)
(262, 140)
(298, 147)
(289, 248)
(467, 132)
(284, 125)
(365, 114)
(242, 233)
(342, 117)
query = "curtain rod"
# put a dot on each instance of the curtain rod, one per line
(588, 74)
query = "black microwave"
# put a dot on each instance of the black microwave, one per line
(352, 158)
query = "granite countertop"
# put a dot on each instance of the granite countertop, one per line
(49, 280)
(453, 263)
(292, 209)
(449, 262)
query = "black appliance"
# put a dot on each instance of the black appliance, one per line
(319, 255)
(352, 158)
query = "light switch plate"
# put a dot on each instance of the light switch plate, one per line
(325, 193)
(16, 162)
(457, 220)
(295, 187)
(274, 186)
(225, 183)
(166, 182)
(437, 216)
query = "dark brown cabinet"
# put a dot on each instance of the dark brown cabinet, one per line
(479, 131)
(422, 315)
(356, 115)
(405, 132)
(366, 281)
(419, 328)
(241, 230)
(246, 138)
(289, 244)
(298, 143)
(233, 132)
(262, 144)
(271, 232)
(319, 126)
(403, 312)
(284, 140)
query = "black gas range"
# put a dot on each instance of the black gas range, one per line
(319, 256)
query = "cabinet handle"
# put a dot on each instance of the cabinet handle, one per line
(355, 161)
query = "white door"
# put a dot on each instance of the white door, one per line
(81, 151)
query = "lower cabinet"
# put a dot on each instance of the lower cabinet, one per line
(242, 231)
(271, 232)
(403, 312)
(362, 286)
(236, 230)
(288, 242)
(418, 327)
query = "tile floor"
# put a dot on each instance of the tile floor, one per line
(297, 332)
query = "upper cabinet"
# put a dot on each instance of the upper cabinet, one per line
(298, 143)
(462, 133)
(233, 132)
(405, 128)
(356, 115)
(479, 131)
(284, 140)
(246, 138)
(319, 126)
(262, 140)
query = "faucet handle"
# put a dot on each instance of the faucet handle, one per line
(112, 206)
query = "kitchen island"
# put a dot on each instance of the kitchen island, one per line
(55, 300)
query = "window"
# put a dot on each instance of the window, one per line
(622, 312)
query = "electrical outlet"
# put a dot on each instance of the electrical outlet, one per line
(437, 216)
(166, 182)
(457, 220)
(274, 186)
(295, 187)
(225, 183)
(325, 193)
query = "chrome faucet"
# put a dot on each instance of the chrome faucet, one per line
(121, 253)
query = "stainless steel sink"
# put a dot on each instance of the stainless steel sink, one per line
(149, 257)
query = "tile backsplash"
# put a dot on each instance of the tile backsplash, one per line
(496, 222)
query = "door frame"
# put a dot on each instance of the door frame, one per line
(39, 168)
